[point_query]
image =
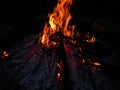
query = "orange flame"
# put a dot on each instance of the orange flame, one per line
(58, 21)
(96, 67)
(5, 54)
(92, 40)
(97, 64)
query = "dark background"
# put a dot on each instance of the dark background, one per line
(21, 18)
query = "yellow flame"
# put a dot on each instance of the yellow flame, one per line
(51, 22)
(43, 38)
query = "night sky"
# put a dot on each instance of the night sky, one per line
(94, 8)
(18, 17)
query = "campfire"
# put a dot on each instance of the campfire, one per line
(60, 38)
(60, 56)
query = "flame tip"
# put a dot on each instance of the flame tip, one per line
(58, 20)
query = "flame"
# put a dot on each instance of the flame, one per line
(89, 39)
(58, 21)
(92, 40)
(43, 38)
(5, 54)
(97, 64)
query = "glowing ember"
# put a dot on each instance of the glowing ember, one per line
(92, 40)
(83, 60)
(58, 65)
(80, 49)
(58, 75)
(97, 64)
(58, 22)
(89, 39)
(5, 54)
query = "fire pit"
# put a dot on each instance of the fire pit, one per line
(61, 57)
